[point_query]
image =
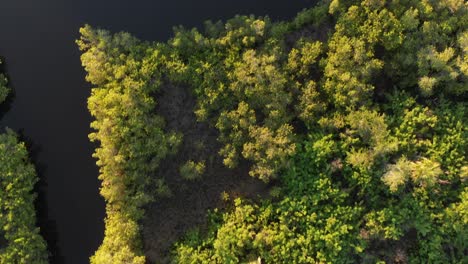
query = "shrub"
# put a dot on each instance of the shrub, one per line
(192, 170)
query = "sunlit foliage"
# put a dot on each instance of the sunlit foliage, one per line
(131, 136)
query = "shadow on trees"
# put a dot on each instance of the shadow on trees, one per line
(5, 106)
(48, 227)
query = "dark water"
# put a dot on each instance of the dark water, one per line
(49, 107)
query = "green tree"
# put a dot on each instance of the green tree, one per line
(24, 244)
(3, 87)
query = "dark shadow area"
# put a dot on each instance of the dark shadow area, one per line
(5, 106)
(3, 241)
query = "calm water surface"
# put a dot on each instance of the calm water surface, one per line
(49, 107)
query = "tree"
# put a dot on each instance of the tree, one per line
(3, 87)
(24, 244)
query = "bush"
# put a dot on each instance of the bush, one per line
(192, 170)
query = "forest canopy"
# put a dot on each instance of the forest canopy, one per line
(354, 113)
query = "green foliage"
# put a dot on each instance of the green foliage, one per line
(432, 55)
(192, 170)
(161, 189)
(269, 150)
(349, 68)
(242, 91)
(397, 174)
(394, 161)
(425, 172)
(3, 87)
(131, 136)
(438, 69)
(301, 59)
(295, 229)
(24, 244)
(455, 225)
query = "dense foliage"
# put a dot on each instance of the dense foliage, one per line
(20, 241)
(357, 109)
(381, 172)
(3, 87)
(131, 136)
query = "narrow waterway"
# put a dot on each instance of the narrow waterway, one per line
(37, 41)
